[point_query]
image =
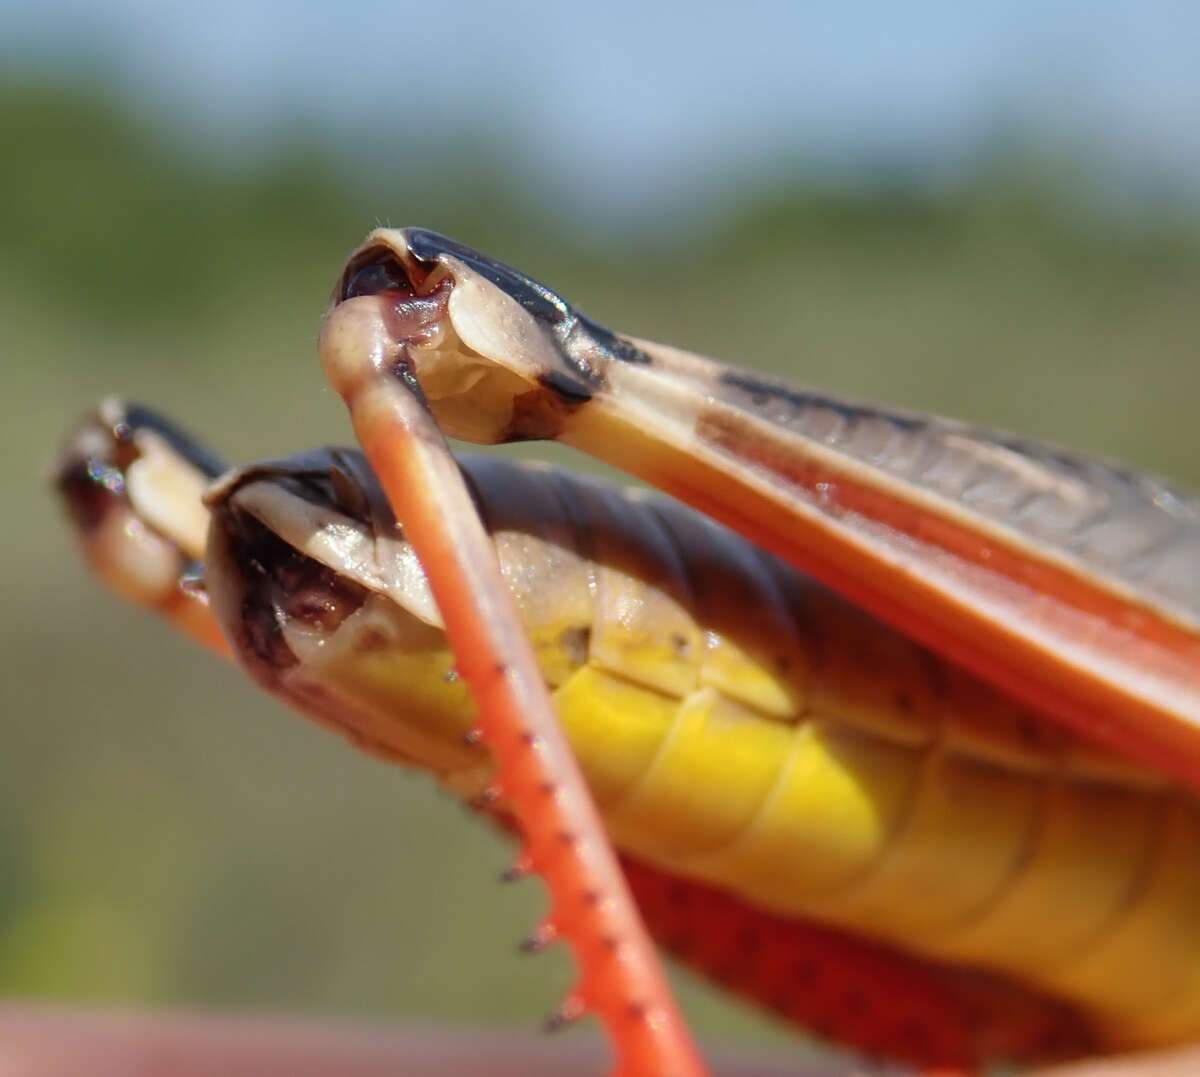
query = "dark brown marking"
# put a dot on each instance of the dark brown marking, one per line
(540, 414)
(259, 635)
(280, 584)
(615, 346)
(375, 270)
(636, 1011)
(761, 391)
(387, 274)
(576, 644)
(572, 393)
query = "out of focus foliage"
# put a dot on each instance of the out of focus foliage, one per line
(166, 836)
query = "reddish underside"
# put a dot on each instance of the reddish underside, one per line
(852, 991)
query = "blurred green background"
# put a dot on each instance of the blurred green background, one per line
(167, 837)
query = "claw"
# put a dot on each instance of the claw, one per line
(521, 868)
(541, 937)
(570, 1010)
(486, 797)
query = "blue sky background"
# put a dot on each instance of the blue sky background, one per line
(630, 106)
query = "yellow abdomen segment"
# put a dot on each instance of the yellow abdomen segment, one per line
(1077, 883)
(742, 726)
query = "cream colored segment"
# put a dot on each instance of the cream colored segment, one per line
(1150, 958)
(970, 828)
(736, 674)
(1089, 857)
(643, 634)
(497, 328)
(837, 803)
(552, 586)
(133, 560)
(380, 563)
(754, 649)
(715, 767)
(167, 492)
(643, 615)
